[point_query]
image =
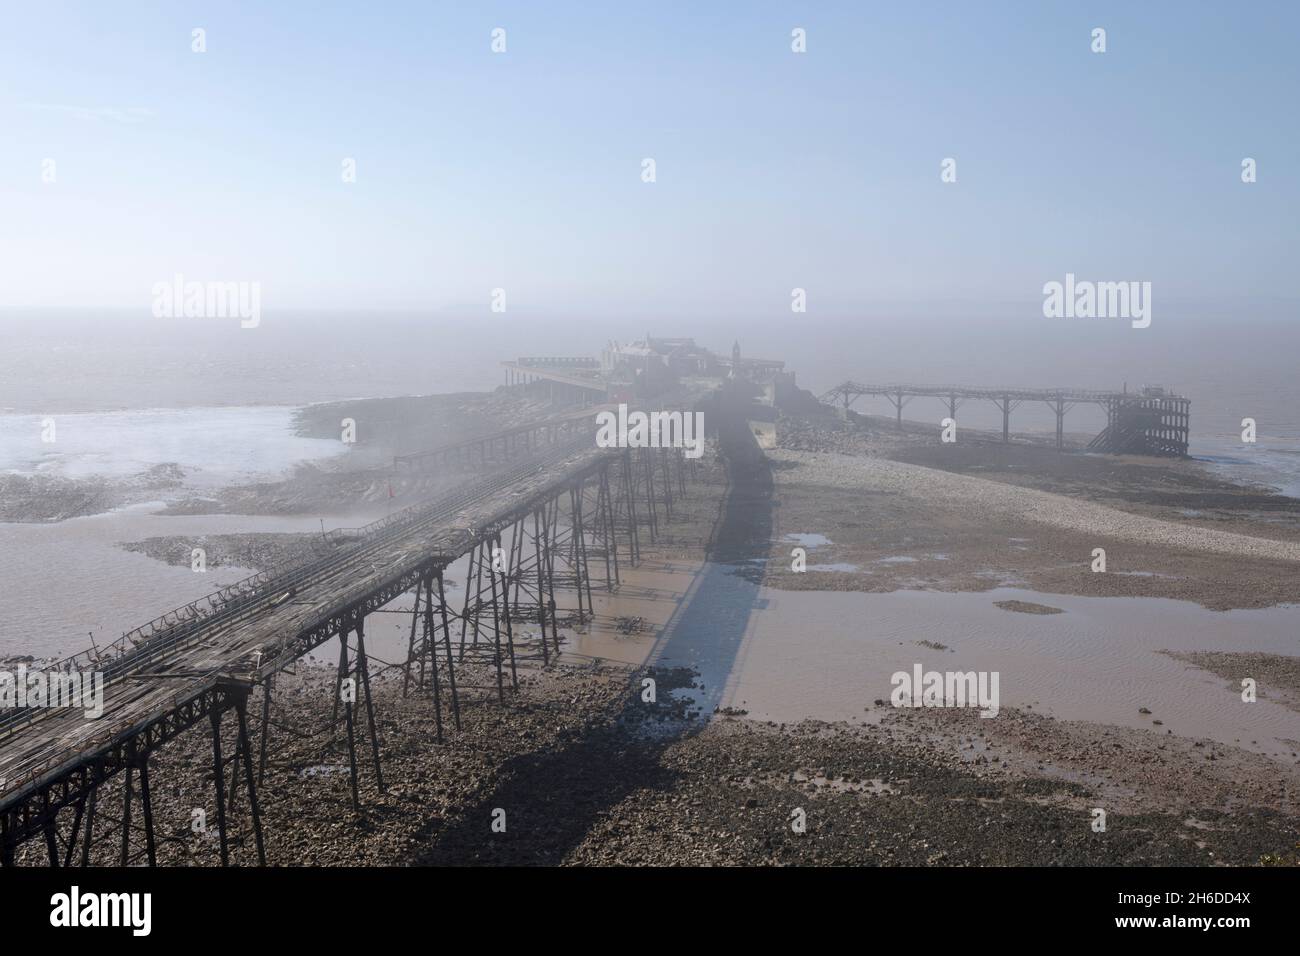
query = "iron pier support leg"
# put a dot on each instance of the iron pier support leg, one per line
(514, 567)
(576, 552)
(629, 493)
(431, 645)
(510, 633)
(126, 812)
(240, 707)
(51, 832)
(541, 592)
(6, 840)
(347, 718)
(498, 658)
(146, 805)
(338, 680)
(464, 614)
(363, 668)
(410, 643)
(233, 791)
(1006, 420)
(474, 582)
(585, 580)
(219, 778)
(76, 828)
(549, 520)
(268, 689)
(90, 826)
(648, 467)
(612, 527)
(665, 459)
(605, 521)
(446, 641)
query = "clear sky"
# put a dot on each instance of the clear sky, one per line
(522, 170)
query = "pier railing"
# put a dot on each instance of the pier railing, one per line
(138, 645)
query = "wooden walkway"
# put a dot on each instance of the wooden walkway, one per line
(202, 661)
(256, 633)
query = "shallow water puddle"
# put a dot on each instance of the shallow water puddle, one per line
(809, 540)
(829, 655)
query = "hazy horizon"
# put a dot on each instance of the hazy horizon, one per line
(522, 170)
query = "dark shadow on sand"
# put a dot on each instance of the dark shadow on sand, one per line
(553, 797)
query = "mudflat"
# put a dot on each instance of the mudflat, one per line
(908, 512)
(588, 772)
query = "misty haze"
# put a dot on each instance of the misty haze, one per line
(649, 436)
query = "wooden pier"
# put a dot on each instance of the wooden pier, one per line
(555, 519)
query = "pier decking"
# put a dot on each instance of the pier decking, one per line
(555, 508)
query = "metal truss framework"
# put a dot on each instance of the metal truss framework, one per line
(516, 567)
(77, 791)
(1148, 422)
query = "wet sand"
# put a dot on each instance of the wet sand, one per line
(896, 525)
(772, 698)
(586, 773)
(945, 490)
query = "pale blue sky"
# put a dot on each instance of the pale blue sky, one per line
(522, 170)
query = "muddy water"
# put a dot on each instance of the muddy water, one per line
(62, 581)
(787, 655)
(780, 655)
(388, 630)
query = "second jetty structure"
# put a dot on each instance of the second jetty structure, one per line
(1150, 421)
